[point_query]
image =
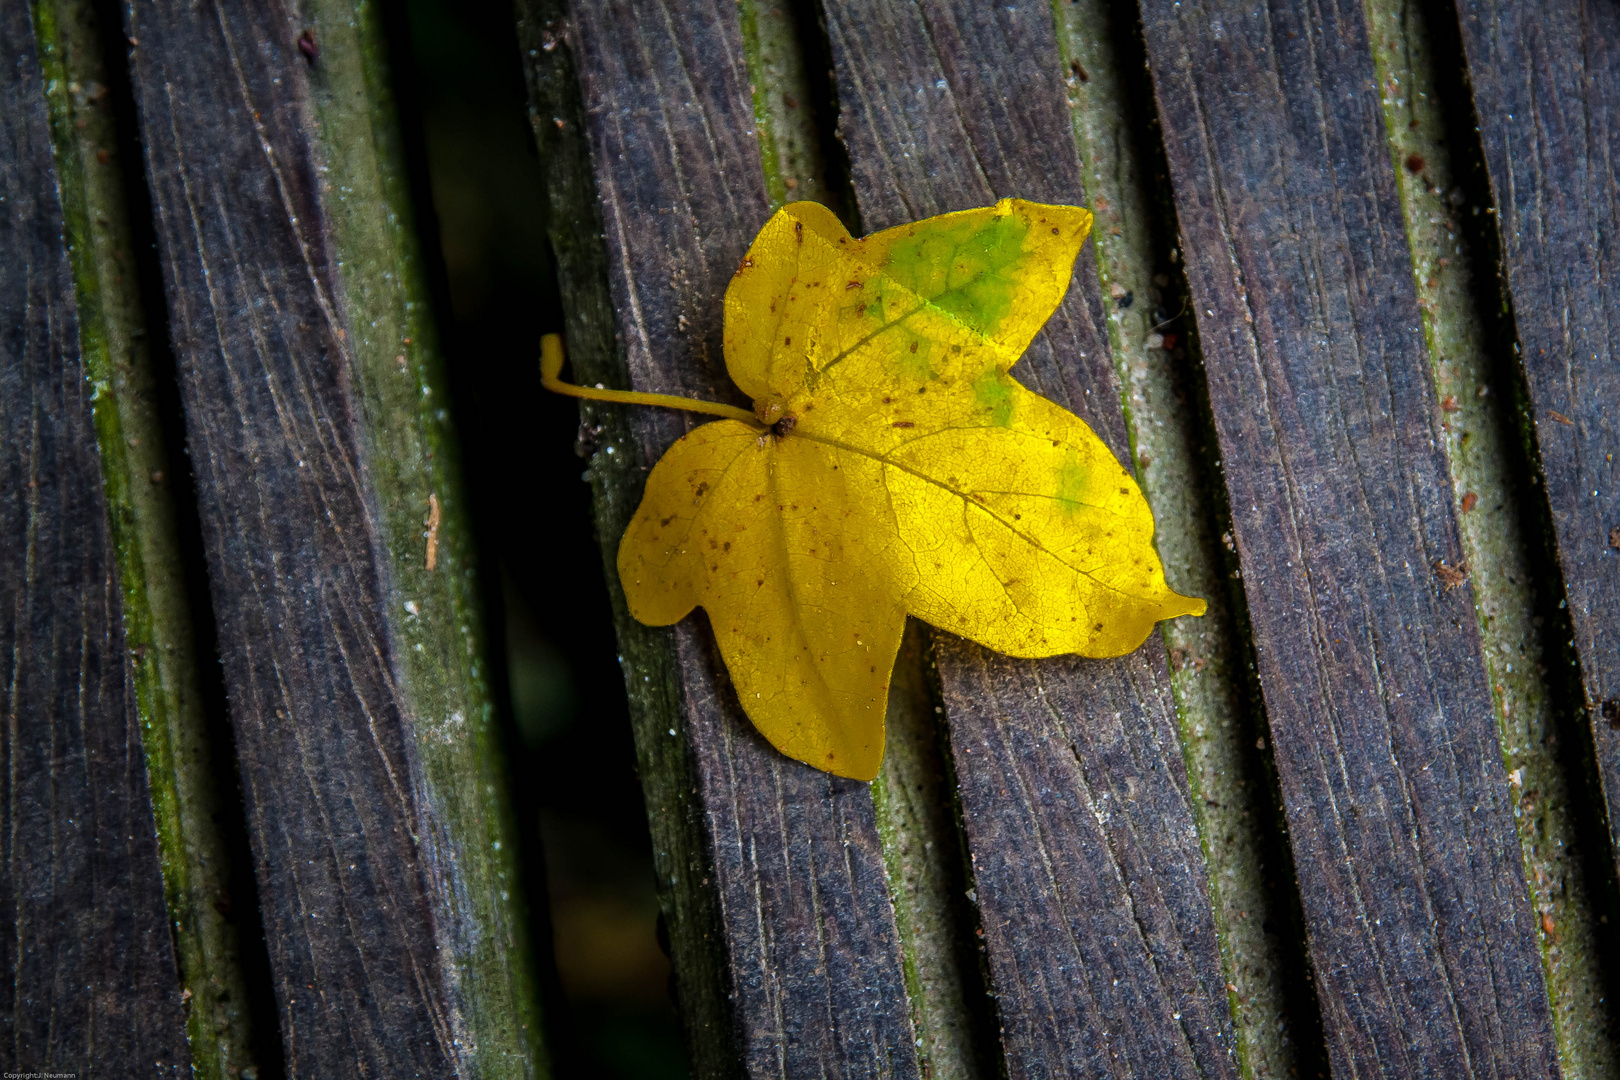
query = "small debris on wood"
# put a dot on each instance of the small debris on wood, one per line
(307, 46)
(1181, 656)
(1614, 539)
(1450, 576)
(432, 533)
(1560, 417)
(1611, 712)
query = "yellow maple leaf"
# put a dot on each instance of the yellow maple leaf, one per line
(892, 466)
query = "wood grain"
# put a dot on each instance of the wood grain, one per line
(351, 664)
(1546, 83)
(794, 866)
(87, 968)
(1090, 881)
(1380, 710)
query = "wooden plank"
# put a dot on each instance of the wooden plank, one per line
(780, 865)
(1546, 83)
(207, 878)
(1089, 877)
(89, 975)
(1380, 710)
(337, 548)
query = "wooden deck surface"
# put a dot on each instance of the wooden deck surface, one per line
(1358, 822)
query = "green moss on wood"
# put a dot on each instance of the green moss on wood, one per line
(790, 148)
(175, 729)
(432, 604)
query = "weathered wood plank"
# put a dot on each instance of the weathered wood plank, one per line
(191, 799)
(87, 968)
(1380, 710)
(792, 874)
(1546, 82)
(336, 544)
(1086, 862)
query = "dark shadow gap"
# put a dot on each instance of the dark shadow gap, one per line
(464, 373)
(481, 199)
(815, 47)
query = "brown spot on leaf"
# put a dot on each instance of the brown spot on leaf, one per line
(1415, 163)
(1469, 501)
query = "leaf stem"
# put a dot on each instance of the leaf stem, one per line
(551, 362)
